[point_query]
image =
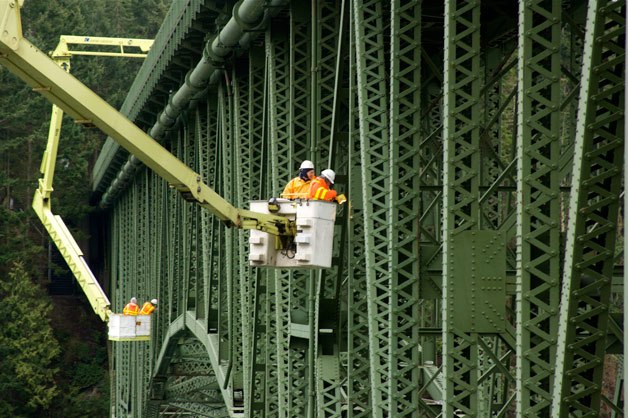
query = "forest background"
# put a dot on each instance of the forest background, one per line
(53, 348)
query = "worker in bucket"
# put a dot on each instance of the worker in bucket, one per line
(299, 187)
(131, 308)
(148, 307)
(321, 188)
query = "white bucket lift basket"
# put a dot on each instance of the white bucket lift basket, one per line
(129, 327)
(314, 240)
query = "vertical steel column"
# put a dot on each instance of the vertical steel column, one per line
(403, 208)
(461, 152)
(222, 186)
(593, 215)
(497, 212)
(358, 373)
(429, 222)
(201, 132)
(375, 159)
(241, 153)
(131, 278)
(126, 381)
(271, 181)
(120, 356)
(328, 62)
(193, 214)
(174, 252)
(240, 252)
(227, 177)
(255, 397)
(186, 225)
(143, 256)
(243, 194)
(155, 207)
(279, 134)
(209, 239)
(327, 298)
(538, 214)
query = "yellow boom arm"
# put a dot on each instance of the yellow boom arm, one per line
(73, 256)
(55, 226)
(124, 47)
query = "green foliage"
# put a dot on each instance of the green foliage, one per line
(83, 374)
(28, 347)
(90, 403)
(87, 375)
(16, 243)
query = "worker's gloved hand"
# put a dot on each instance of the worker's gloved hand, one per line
(273, 205)
(341, 199)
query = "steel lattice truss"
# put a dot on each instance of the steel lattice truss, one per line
(477, 264)
(538, 228)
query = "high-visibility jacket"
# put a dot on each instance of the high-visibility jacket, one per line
(297, 188)
(131, 309)
(320, 191)
(147, 308)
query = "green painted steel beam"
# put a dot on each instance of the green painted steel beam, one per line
(538, 204)
(593, 215)
(461, 135)
(358, 373)
(403, 209)
(373, 132)
(280, 128)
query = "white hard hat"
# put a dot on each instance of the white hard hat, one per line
(329, 175)
(153, 301)
(133, 299)
(307, 164)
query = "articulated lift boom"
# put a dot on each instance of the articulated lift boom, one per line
(55, 226)
(46, 77)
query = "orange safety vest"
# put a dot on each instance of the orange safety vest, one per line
(320, 191)
(147, 308)
(131, 309)
(297, 188)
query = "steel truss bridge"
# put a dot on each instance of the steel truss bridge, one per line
(478, 267)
